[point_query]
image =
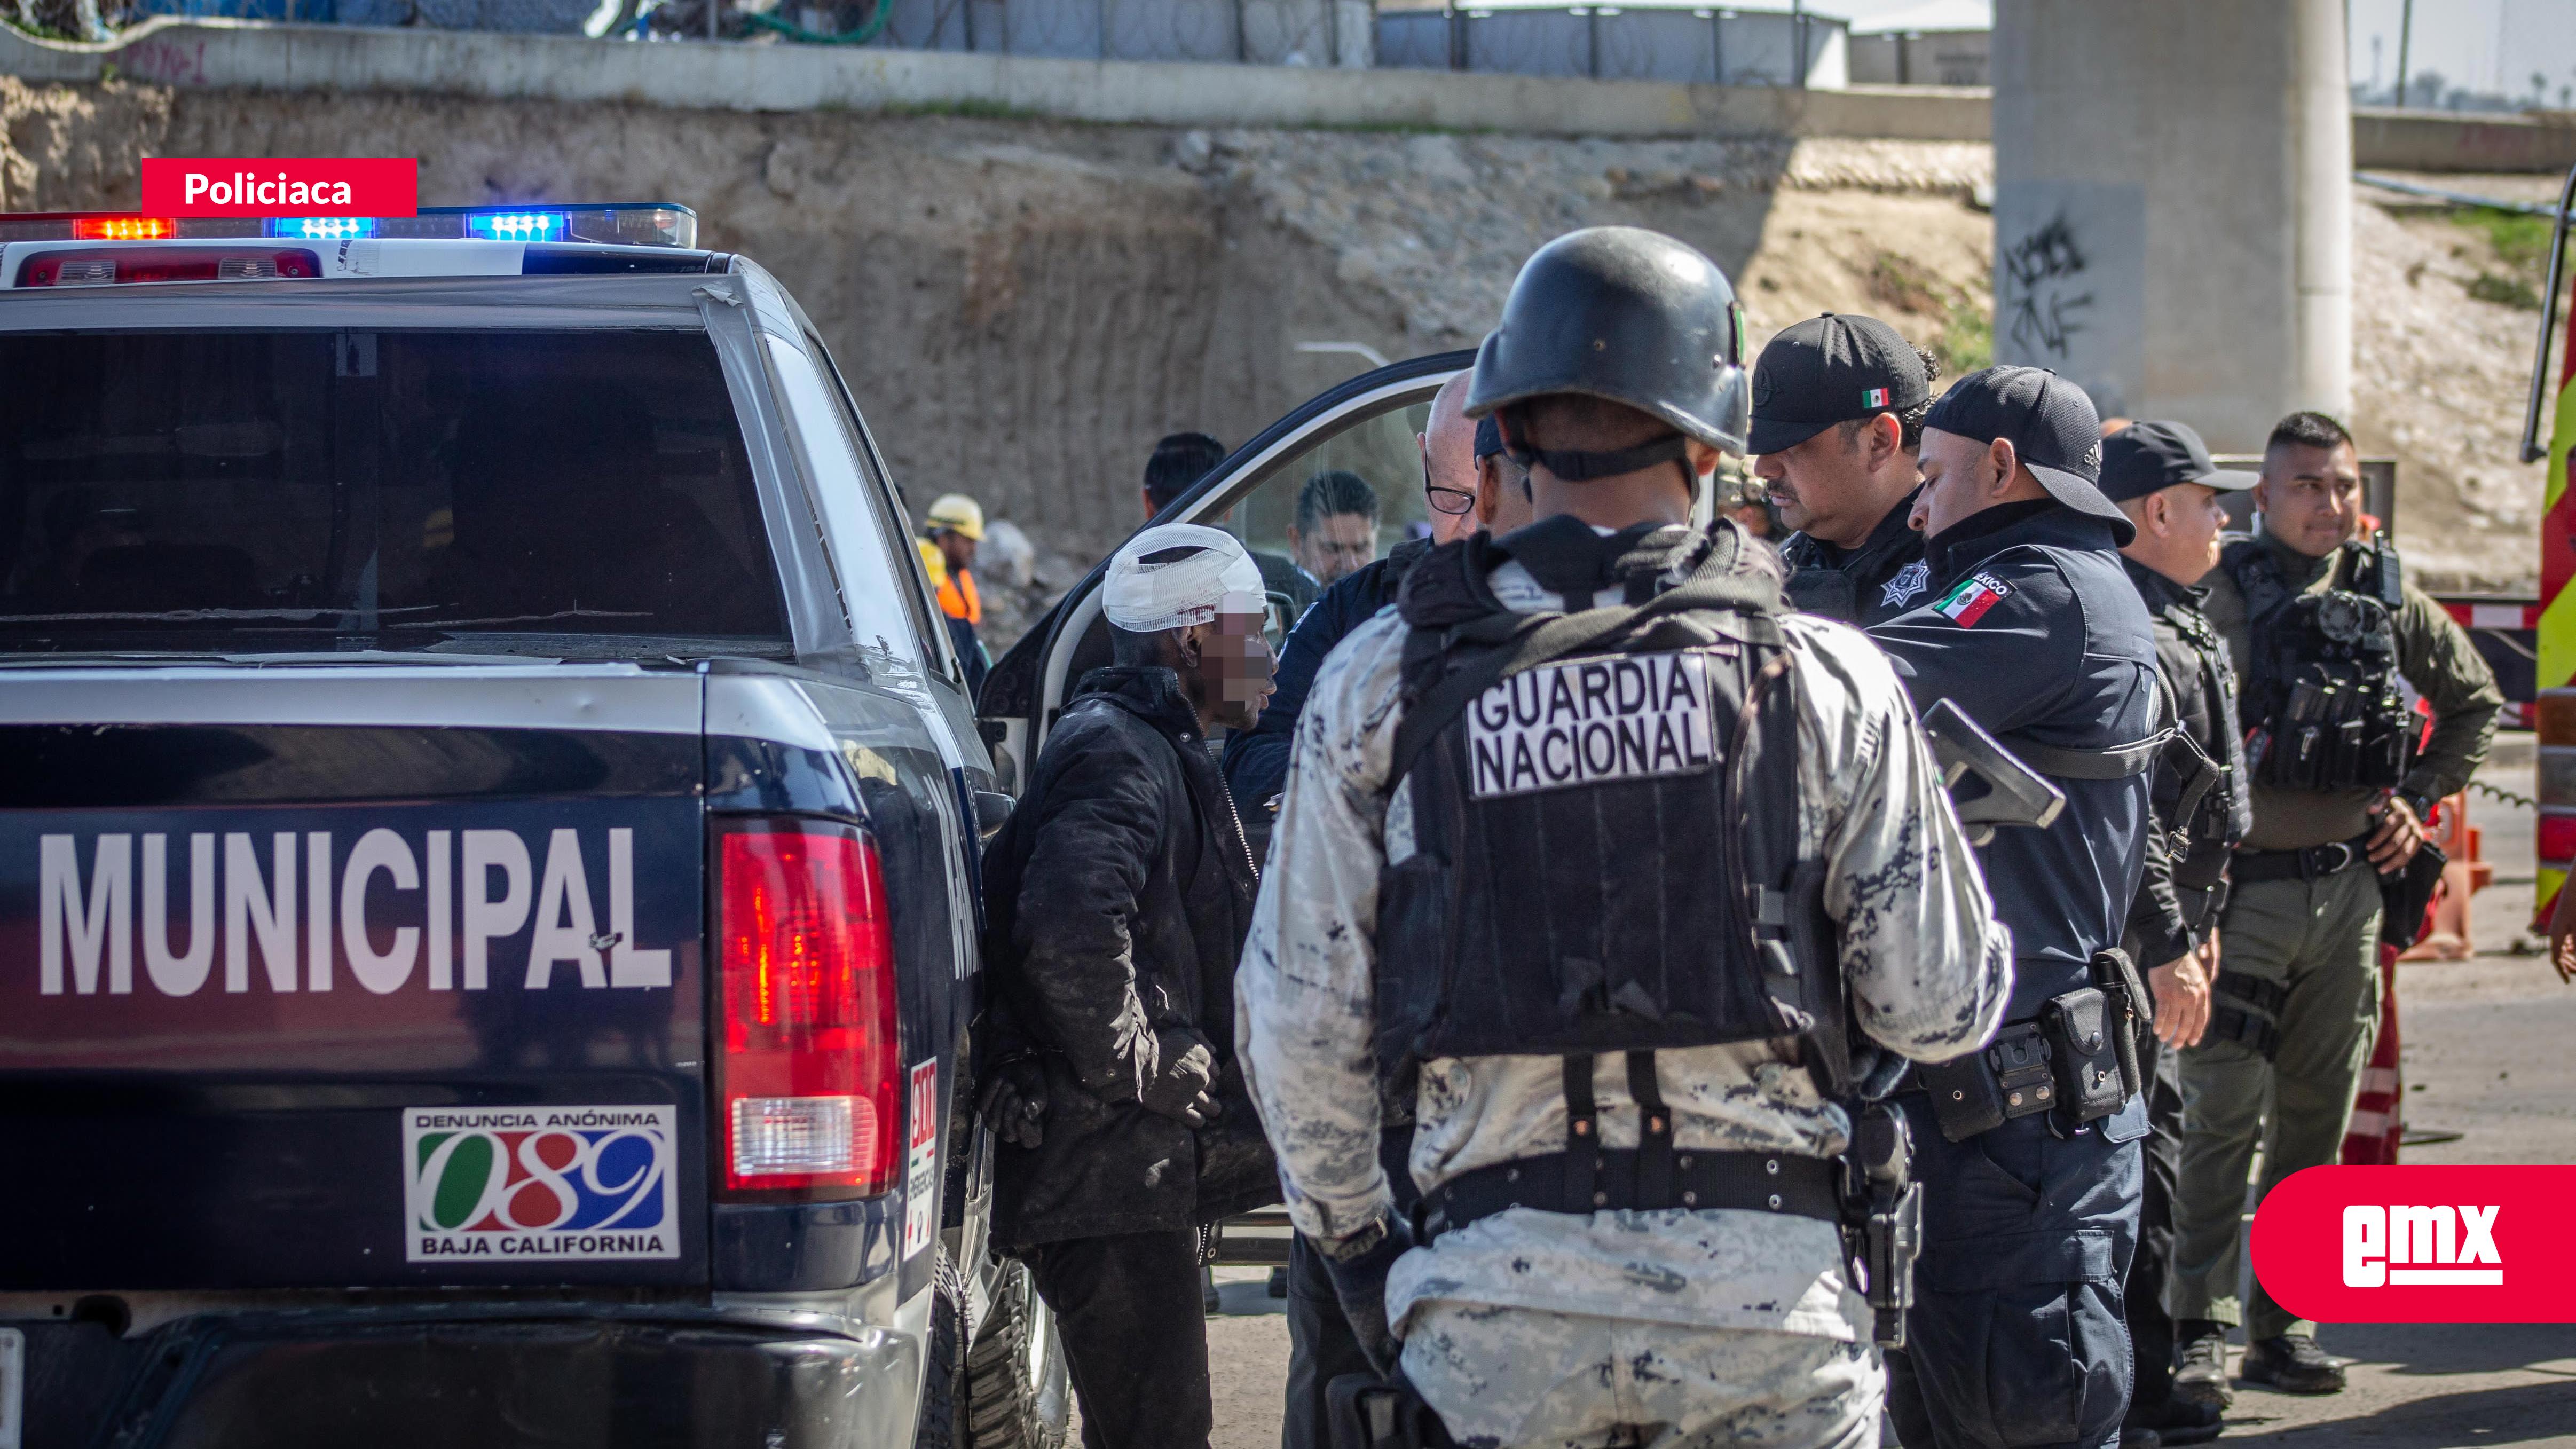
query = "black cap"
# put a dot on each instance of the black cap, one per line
(1828, 370)
(2051, 425)
(1489, 437)
(2145, 458)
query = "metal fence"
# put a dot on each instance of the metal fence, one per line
(1725, 47)
(1257, 32)
(1661, 43)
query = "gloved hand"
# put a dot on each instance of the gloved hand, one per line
(1014, 1103)
(1358, 1266)
(1179, 1089)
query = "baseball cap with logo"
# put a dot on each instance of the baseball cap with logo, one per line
(2145, 458)
(1829, 370)
(2051, 425)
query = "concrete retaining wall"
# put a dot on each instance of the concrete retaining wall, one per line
(2393, 140)
(233, 55)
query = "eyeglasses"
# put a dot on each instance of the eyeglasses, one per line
(1452, 501)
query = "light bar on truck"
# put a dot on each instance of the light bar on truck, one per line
(645, 224)
(806, 1079)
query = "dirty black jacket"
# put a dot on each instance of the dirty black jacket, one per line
(1120, 892)
(2185, 884)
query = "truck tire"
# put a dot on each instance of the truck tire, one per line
(1017, 1395)
(942, 1423)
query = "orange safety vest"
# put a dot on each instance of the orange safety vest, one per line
(955, 601)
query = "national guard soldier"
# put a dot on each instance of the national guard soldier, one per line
(1588, 839)
(1838, 405)
(2161, 476)
(2027, 1149)
(2323, 628)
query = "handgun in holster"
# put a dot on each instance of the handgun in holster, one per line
(1369, 1412)
(1883, 1218)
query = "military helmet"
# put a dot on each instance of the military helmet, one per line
(1627, 315)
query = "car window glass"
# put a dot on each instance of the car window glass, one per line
(845, 493)
(911, 577)
(1326, 511)
(566, 493)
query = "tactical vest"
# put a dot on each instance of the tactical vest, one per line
(1605, 812)
(2323, 709)
(2202, 802)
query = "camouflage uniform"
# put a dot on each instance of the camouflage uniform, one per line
(1530, 1327)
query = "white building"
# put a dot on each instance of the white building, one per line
(1936, 43)
(1761, 43)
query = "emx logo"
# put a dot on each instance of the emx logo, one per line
(2427, 1239)
(2419, 1244)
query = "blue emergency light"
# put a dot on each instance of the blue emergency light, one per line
(518, 225)
(321, 228)
(639, 224)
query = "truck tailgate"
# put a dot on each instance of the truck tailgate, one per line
(358, 1003)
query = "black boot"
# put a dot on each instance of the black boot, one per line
(2176, 1421)
(2293, 1364)
(2202, 1377)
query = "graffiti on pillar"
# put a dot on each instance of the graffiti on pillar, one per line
(2070, 284)
(2045, 267)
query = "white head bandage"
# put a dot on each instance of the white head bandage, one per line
(1146, 598)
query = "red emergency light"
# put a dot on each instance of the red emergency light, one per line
(123, 228)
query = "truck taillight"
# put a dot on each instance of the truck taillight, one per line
(806, 1083)
(96, 266)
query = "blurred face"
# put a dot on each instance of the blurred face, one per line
(1227, 667)
(2310, 497)
(1340, 543)
(957, 548)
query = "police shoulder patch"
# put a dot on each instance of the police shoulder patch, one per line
(1970, 598)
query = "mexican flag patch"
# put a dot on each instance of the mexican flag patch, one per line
(1873, 397)
(1969, 601)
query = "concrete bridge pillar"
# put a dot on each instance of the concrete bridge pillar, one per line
(2173, 206)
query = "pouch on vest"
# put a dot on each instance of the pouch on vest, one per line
(2325, 711)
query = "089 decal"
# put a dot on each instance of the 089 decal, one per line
(539, 1183)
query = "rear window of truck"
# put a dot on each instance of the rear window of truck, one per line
(571, 493)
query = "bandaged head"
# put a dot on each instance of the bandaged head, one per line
(1217, 577)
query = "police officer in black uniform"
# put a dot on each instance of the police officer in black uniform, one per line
(1838, 406)
(2161, 476)
(2027, 1149)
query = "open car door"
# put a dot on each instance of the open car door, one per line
(1365, 426)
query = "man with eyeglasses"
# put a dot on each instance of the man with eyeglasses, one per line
(1468, 484)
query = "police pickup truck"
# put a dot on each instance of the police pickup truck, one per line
(488, 858)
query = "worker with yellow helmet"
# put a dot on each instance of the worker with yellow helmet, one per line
(950, 532)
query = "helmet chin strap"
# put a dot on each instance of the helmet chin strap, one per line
(1576, 465)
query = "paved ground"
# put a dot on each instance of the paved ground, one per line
(2486, 1056)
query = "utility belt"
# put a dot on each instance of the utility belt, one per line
(2310, 863)
(2404, 894)
(1869, 1193)
(2077, 1060)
